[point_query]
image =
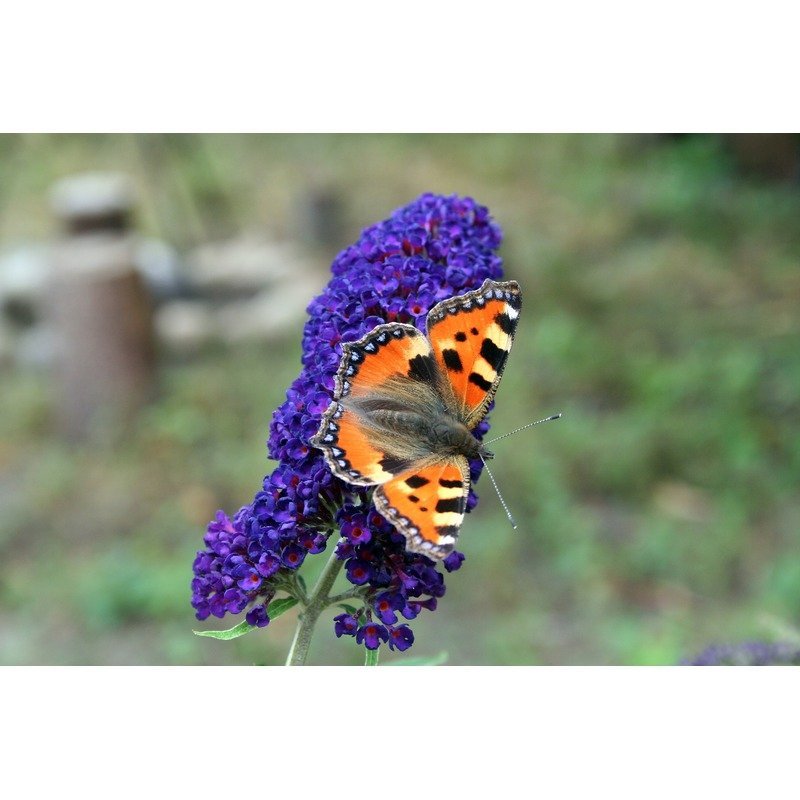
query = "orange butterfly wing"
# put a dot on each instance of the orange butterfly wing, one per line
(427, 505)
(471, 336)
(389, 355)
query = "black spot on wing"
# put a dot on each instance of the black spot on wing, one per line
(461, 336)
(452, 360)
(415, 481)
(413, 498)
(454, 504)
(480, 381)
(504, 323)
(422, 368)
(473, 331)
(495, 356)
(454, 484)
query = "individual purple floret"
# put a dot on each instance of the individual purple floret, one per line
(401, 638)
(371, 635)
(345, 625)
(387, 605)
(258, 616)
(427, 251)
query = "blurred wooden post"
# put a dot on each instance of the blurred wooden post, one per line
(99, 308)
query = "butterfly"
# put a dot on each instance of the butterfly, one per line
(405, 405)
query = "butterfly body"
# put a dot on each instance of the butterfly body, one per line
(405, 405)
(436, 435)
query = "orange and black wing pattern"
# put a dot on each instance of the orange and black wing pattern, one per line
(427, 505)
(393, 379)
(393, 355)
(471, 336)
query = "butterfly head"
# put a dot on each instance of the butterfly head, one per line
(449, 436)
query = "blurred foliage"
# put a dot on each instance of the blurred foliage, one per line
(660, 515)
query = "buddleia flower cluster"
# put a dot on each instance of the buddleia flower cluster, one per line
(429, 250)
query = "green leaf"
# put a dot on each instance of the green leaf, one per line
(349, 609)
(281, 605)
(232, 633)
(302, 581)
(372, 658)
(422, 661)
(275, 609)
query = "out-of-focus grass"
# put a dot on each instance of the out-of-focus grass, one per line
(661, 514)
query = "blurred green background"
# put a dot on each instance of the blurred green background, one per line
(661, 283)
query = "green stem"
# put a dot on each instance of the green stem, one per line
(316, 604)
(351, 594)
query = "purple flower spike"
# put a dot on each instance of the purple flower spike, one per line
(429, 250)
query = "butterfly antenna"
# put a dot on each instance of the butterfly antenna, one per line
(529, 425)
(502, 502)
